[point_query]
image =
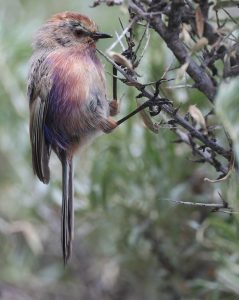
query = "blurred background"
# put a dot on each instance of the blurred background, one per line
(131, 242)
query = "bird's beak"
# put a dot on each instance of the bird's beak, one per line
(101, 35)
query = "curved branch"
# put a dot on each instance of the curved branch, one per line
(202, 81)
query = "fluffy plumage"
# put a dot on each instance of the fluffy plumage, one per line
(67, 99)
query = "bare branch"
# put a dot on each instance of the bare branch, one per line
(131, 81)
(202, 81)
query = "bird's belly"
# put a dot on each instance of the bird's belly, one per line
(74, 123)
(77, 103)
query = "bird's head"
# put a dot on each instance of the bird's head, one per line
(68, 29)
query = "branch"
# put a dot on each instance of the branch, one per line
(202, 81)
(204, 154)
(216, 207)
(131, 81)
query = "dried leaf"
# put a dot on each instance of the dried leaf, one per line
(134, 83)
(154, 127)
(182, 71)
(199, 21)
(121, 60)
(198, 116)
(231, 166)
(185, 33)
(201, 43)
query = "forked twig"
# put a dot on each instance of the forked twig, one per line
(134, 20)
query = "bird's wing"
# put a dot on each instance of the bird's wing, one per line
(38, 90)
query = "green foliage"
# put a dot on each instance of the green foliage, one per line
(131, 242)
(228, 110)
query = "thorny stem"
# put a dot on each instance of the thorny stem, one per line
(202, 81)
(177, 13)
(171, 112)
(193, 131)
(183, 137)
(216, 207)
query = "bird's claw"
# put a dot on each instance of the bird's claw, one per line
(108, 125)
(114, 107)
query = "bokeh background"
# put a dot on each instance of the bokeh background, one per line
(131, 241)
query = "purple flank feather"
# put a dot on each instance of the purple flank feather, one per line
(66, 120)
(59, 108)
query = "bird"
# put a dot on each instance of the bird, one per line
(68, 105)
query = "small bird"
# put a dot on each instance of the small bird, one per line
(67, 101)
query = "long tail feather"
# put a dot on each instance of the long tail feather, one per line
(71, 207)
(67, 207)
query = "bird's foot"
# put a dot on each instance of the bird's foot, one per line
(107, 125)
(114, 107)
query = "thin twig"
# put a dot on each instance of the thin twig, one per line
(210, 205)
(232, 19)
(145, 47)
(120, 41)
(216, 207)
(180, 86)
(122, 35)
(141, 39)
(204, 154)
(170, 111)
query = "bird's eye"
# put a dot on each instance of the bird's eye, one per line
(74, 24)
(78, 27)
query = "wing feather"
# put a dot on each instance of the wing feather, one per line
(38, 101)
(40, 148)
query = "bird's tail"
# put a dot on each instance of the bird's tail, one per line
(67, 224)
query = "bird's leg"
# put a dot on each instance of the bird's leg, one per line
(115, 83)
(154, 105)
(107, 125)
(114, 107)
(134, 112)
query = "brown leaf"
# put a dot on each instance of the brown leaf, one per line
(147, 120)
(182, 71)
(199, 21)
(134, 83)
(198, 116)
(230, 169)
(121, 60)
(185, 33)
